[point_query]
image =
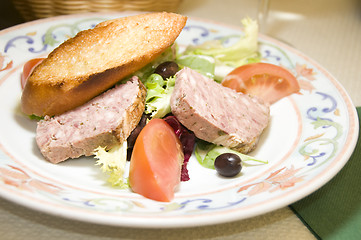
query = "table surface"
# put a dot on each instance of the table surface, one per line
(329, 31)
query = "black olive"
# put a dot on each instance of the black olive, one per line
(134, 134)
(228, 164)
(129, 153)
(167, 69)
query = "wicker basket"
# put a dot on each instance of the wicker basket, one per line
(35, 9)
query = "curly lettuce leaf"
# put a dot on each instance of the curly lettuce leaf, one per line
(240, 53)
(159, 91)
(206, 153)
(113, 163)
(168, 55)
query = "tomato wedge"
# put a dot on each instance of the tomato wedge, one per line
(28, 69)
(267, 81)
(156, 162)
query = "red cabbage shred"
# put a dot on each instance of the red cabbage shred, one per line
(187, 139)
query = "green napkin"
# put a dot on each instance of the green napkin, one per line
(334, 211)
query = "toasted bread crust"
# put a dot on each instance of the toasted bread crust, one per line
(94, 60)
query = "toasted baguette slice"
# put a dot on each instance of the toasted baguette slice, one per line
(94, 60)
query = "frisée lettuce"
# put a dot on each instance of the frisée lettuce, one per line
(159, 91)
(113, 163)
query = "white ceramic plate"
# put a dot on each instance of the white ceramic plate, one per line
(310, 138)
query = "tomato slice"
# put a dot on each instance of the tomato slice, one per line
(28, 69)
(156, 162)
(267, 81)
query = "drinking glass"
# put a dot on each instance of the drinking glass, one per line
(263, 8)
